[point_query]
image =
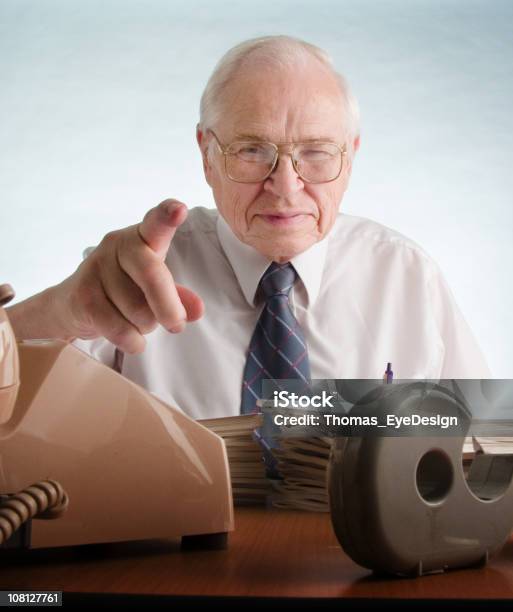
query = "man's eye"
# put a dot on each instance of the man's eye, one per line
(314, 154)
(252, 152)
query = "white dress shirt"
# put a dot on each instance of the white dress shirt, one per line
(366, 295)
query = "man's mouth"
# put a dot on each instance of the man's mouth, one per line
(284, 219)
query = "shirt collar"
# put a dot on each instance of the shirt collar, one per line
(249, 265)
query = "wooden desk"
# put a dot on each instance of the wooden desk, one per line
(271, 553)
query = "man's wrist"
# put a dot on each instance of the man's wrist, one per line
(40, 316)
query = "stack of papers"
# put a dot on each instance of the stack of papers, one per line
(303, 463)
(493, 446)
(247, 469)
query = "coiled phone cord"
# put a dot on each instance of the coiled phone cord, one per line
(43, 500)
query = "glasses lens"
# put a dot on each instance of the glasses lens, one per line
(249, 161)
(318, 162)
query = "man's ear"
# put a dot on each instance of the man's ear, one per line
(349, 167)
(203, 146)
(356, 146)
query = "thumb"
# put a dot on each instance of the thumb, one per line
(159, 225)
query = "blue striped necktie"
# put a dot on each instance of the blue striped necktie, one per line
(278, 348)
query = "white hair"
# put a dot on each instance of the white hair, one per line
(273, 52)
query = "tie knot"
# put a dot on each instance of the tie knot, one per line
(278, 279)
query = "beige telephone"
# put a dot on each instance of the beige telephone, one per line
(111, 461)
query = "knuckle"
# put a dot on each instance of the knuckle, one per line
(100, 260)
(122, 335)
(172, 318)
(154, 274)
(178, 328)
(143, 318)
(134, 343)
(134, 256)
(148, 327)
(128, 238)
(111, 237)
(116, 245)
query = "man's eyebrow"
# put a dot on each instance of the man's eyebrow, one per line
(255, 138)
(241, 136)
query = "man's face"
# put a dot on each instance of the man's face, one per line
(283, 215)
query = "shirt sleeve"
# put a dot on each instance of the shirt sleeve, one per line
(462, 357)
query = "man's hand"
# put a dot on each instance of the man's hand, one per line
(124, 289)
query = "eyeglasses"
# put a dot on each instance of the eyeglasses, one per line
(254, 161)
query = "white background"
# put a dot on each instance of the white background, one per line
(99, 101)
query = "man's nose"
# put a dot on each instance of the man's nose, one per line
(284, 179)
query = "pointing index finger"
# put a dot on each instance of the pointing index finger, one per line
(159, 225)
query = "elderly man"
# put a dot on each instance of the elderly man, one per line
(199, 306)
